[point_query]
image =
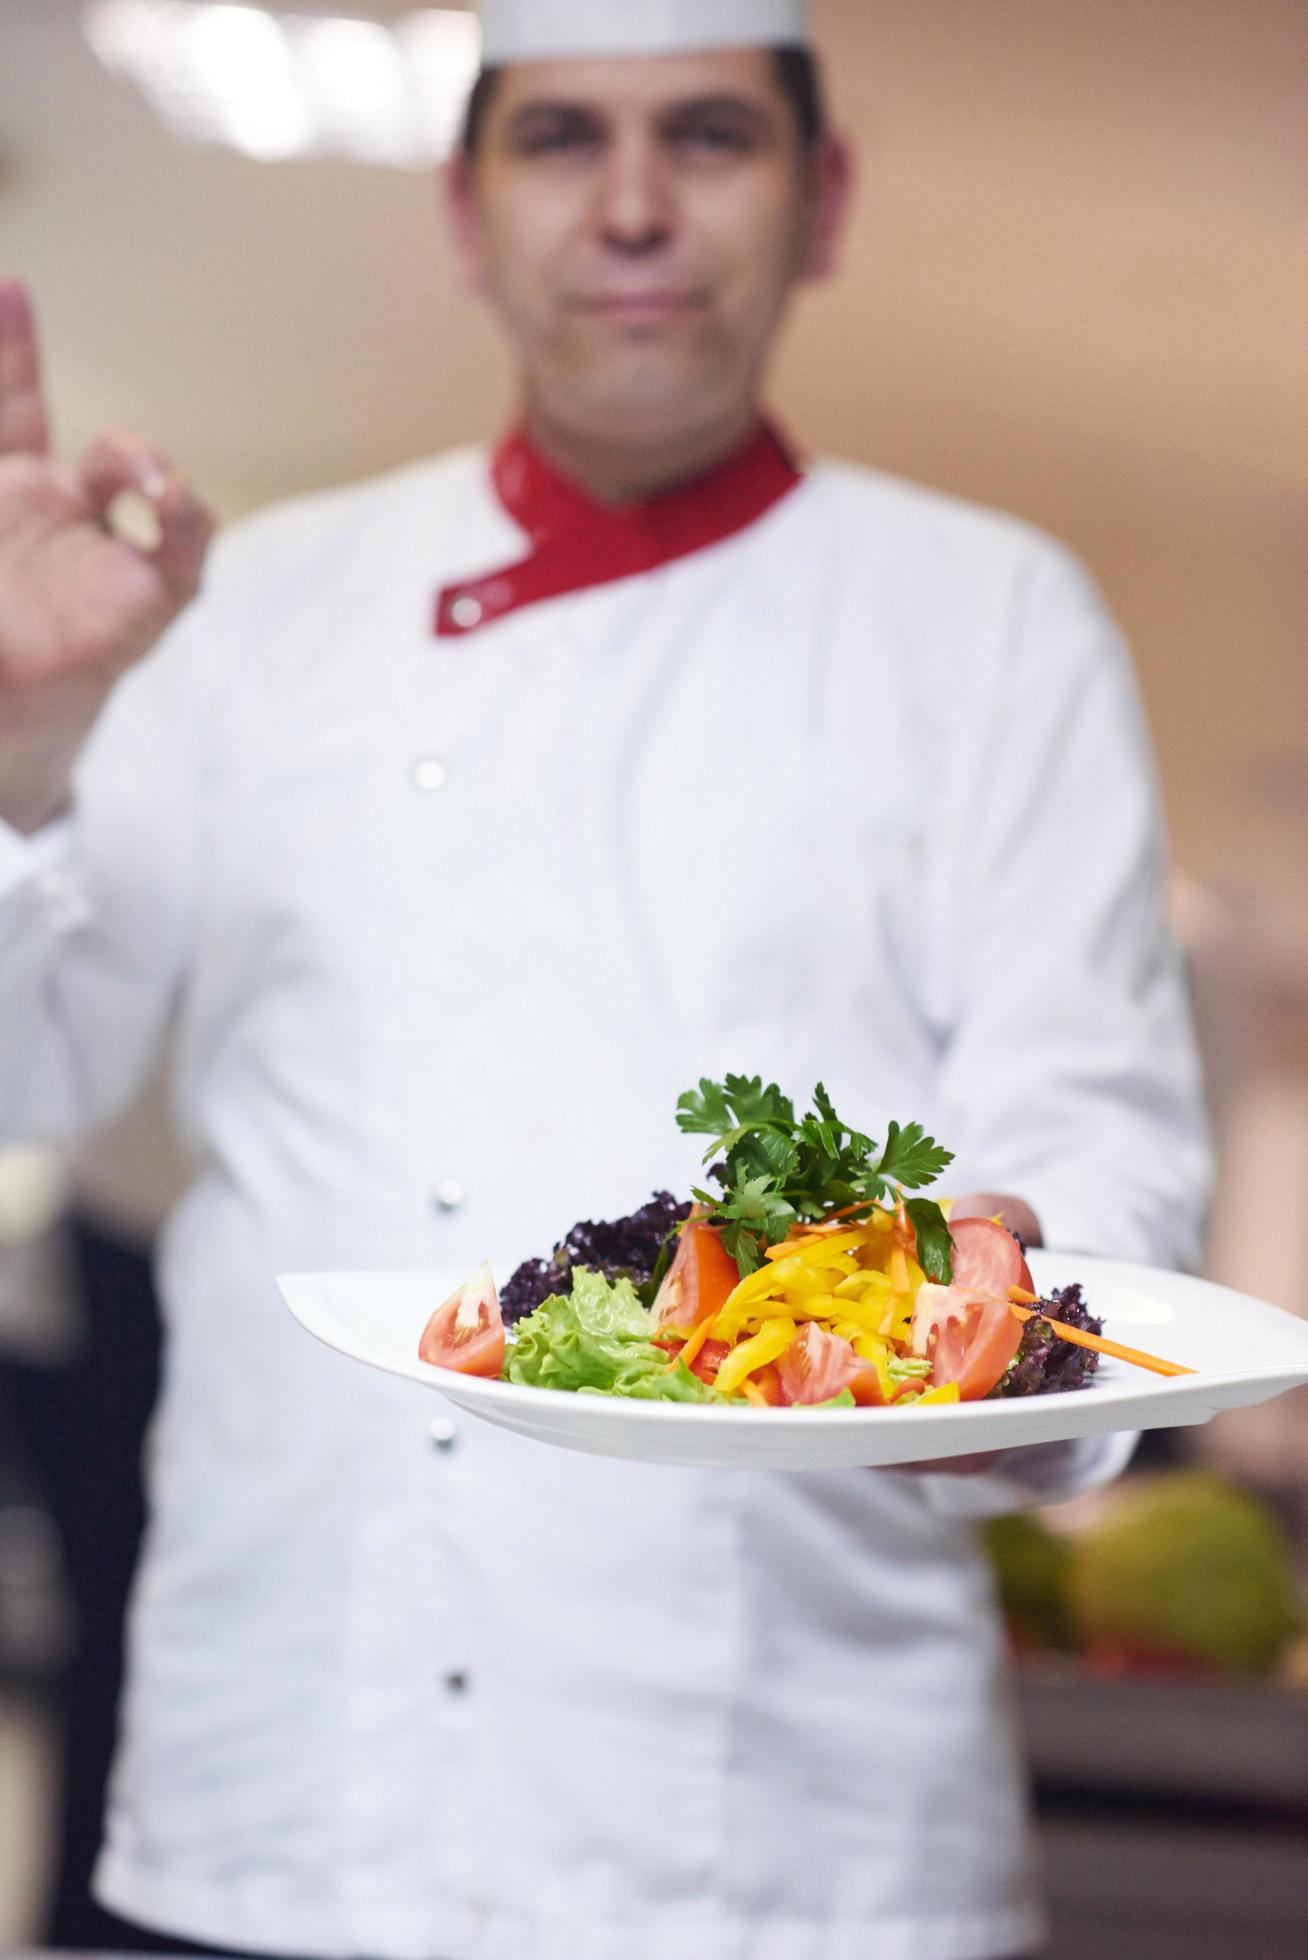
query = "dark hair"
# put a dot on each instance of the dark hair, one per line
(798, 77)
(800, 80)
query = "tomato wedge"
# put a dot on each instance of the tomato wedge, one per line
(987, 1258)
(816, 1366)
(709, 1359)
(968, 1337)
(865, 1387)
(467, 1332)
(768, 1383)
(698, 1281)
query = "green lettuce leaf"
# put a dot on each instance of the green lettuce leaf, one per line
(597, 1340)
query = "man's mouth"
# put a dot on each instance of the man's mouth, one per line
(654, 303)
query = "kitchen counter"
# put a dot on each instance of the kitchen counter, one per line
(1189, 1739)
(1172, 1814)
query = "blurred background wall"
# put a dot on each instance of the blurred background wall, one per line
(1076, 286)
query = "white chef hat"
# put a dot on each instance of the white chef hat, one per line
(543, 30)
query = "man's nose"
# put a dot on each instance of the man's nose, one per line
(636, 204)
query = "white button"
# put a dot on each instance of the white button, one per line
(450, 1194)
(429, 772)
(64, 897)
(442, 1432)
(466, 611)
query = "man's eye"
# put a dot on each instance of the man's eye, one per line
(555, 142)
(714, 138)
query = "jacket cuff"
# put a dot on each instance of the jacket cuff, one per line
(1023, 1479)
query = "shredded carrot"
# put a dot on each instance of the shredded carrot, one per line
(830, 1219)
(1080, 1338)
(754, 1395)
(694, 1342)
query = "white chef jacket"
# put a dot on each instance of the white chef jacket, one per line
(861, 793)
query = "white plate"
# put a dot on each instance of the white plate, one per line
(1243, 1350)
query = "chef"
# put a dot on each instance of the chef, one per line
(463, 820)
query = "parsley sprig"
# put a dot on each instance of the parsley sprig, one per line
(779, 1170)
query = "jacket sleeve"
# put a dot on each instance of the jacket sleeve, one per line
(1023, 1479)
(1070, 1074)
(97, 911)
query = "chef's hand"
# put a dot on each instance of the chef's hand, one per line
(1017, 1214)
(78, 604)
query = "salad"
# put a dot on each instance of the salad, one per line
(801, 1273)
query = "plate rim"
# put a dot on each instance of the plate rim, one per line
(1121, 1390)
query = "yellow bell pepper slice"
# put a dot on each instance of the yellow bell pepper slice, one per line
(808, 1281)
(818, 1306)
(867, 1315)
(818, 1246)
(815, 1306)
(729, 1323)
(762, 1284)
(947, 1392)
(789, 1283)
(769, 1344)
(868, 1348)
(896, 1321)
(860, 1282)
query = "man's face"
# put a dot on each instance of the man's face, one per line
(638, 225)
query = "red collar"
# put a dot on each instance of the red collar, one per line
(577, 542)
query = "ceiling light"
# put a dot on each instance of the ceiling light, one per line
(275, 86)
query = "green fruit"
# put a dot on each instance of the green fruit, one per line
(1032, 1569)
(1184, 1563)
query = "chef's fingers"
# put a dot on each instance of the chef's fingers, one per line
(140, 497)
(1013, 1213)
(23, 424)
(952, 1466)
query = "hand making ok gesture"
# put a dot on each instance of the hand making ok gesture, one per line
(78, 603)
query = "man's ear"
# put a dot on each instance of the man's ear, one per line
(831, 184)
(464, 220)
